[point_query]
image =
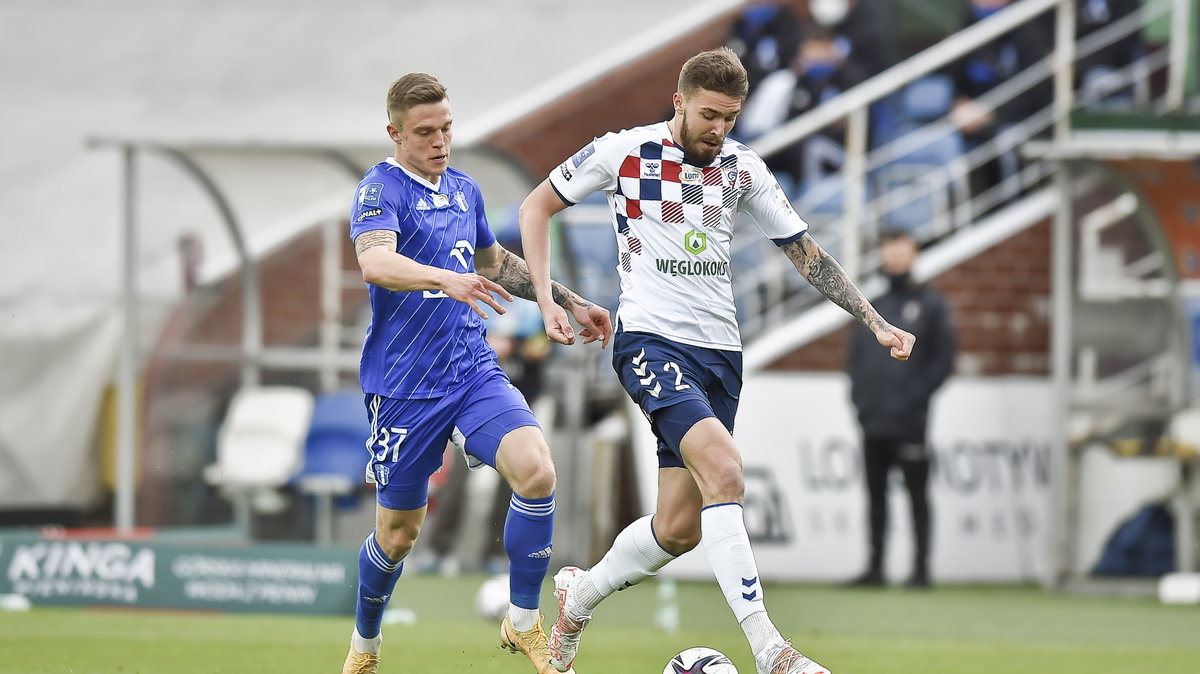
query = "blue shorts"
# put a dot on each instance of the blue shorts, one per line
(408, 437)
(677, 385)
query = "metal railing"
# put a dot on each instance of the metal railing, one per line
(769, 290)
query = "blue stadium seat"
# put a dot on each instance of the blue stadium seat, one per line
(924, 100)
(885, 119)
(825, 197)
(335, 456)
(927, 179)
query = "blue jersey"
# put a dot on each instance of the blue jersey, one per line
(421, 344)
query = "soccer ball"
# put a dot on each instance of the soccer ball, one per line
(491, 599)
(700, 660)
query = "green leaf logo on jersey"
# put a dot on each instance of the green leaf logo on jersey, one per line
(695, 242)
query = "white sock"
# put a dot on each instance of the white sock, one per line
(587, 597)
(361, 645)
(723, 534)
(760, 631)
(522, 619)
(634, 556)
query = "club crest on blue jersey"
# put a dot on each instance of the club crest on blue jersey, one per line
(370, 194)
(583, 154)
(382, 474)
(460, 199)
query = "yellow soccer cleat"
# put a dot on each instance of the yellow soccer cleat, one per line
(361, 663)
(364, 655)
(532, 642)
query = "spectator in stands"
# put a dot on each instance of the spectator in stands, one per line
(1095, 71)
(823, 68)
(765, 37)
(893, 400)
(981, 119)
(842, 44)
(856, 24)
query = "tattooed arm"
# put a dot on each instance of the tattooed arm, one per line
(512, 273)
(382, 266)
(827, 276)
(534, 219)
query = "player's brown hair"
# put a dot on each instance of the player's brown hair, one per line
(717, 70)
(410, 91)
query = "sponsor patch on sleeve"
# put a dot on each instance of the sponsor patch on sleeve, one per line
(583, 154)
(369, 213)
(566, 171)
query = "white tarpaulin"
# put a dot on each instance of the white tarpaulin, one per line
(56, 364)
(806, 502)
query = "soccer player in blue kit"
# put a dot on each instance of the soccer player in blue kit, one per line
(429, 258)
(674, 189)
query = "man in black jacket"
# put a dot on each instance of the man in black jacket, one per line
(893, 399)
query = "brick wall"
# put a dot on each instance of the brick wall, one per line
(290, 283)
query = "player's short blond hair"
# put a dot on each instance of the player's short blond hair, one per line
(410, 91)
(718, 70)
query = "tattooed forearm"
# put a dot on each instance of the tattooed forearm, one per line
(565, 298)
(827, 276)
(373, 238)
(514, 277)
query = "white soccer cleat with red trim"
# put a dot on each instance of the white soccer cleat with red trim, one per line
(781, 658)
(564, 637)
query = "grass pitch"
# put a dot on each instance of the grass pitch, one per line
(959, 630)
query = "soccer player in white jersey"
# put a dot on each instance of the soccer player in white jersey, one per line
(429, 257)
(674, 189)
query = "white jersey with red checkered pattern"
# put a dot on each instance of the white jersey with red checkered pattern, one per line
(674, 225)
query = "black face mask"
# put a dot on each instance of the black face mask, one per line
(899, 281)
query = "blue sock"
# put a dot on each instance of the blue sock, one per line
(377, 574)
(528, 534)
